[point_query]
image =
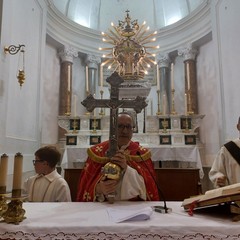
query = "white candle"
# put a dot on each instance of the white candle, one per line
(75, 105)
(17, 172)
(87, 86)
(188, 76)
(101, 76)
(158, 79)
(3, 170)
(164, 104)
(172, 76)
(185, 103)
(69, 79)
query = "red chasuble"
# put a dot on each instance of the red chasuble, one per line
(91, 173)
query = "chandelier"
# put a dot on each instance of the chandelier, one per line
(129, 56)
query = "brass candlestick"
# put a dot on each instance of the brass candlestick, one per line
(102, 113)
(75, 126)
(159, 111)
(3, 201)
(186, 130)
(165, 125)
(189, 103)
(94, 125)
(15, 212)
(173, 112)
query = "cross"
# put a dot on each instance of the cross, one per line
(114, 103)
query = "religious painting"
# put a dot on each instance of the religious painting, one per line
(71, 140)
(165, 140)
(74, 124)
(190, 139)
(186, 123)
(95, 124)
(164, 123)
(95, 140)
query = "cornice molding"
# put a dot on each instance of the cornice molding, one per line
(188, 30)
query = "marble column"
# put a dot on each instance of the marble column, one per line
(66, 54)
(163, 61)
(92, 63)
(189, 54)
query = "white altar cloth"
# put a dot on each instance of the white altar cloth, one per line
(182, 154)
(87, 221)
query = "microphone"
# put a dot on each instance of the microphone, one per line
(160, 209)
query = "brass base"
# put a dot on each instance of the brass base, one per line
(15, 213)
(3, 204)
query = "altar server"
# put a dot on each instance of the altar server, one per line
(226, 166)
(47, 185)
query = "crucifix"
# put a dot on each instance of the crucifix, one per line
(114, 103)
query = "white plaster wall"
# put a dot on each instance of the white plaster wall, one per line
(50, 99)
(23, 22)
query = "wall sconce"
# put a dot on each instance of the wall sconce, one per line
(12, 49)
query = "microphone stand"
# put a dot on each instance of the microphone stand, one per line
(160, 209)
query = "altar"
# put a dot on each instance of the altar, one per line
(186, 156)
(87, 221)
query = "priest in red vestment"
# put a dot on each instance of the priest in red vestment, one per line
(137, 172)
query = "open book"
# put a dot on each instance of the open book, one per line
(215, 196)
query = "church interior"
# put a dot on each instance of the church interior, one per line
(185, 64)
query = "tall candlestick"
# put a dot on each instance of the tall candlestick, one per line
(158, 79)
(172, 76)
(185, 104)
(75, 105)
(164, 104)
(87, 85)
(188, 76)
(17, 172)
(3, 171)
(69, 79)
(101, 76)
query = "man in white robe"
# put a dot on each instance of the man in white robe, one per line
(226, 168)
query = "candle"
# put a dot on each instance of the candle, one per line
(158, 79)
(185, 103)
(172, 77)
(17, 172)
(3, 171)
(101, 76)
(164, 104)
(69, 79)
(87, 86)
(75, 105)
(188, 76)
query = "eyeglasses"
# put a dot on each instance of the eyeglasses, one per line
(35, 161)
(122, 126)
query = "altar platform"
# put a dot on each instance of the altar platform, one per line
(87, 221)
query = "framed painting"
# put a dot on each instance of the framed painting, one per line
(165, 140)
(95, 140)
(71, 140)
(190, 139)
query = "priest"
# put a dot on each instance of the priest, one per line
(131, 175)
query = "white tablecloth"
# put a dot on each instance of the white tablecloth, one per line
(183, 154)
(70, 221)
